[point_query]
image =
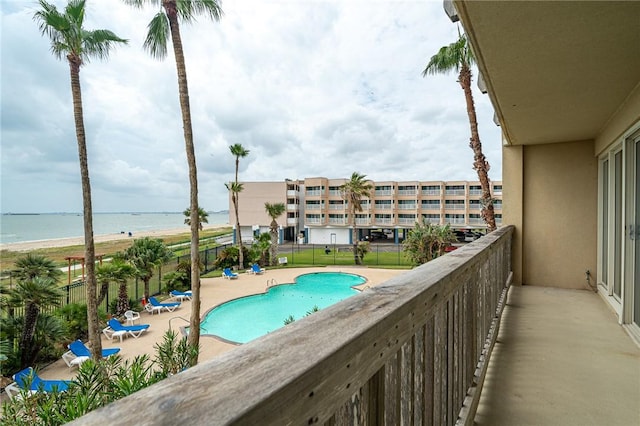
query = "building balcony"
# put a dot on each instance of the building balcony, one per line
(431, 192)
(293, 193)
(379, 221)
(407, 206)
(312, 207)
(363, 222)
(336, 206)
(454, 207)
(417, 350)
(406, 221)
(336, 221)
(292, 221)
(383, 206)
(313, 221)
(293, 207)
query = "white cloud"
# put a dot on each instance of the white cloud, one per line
(320, 88)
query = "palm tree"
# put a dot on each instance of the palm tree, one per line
(274, 211)
(352, 192)
(203, 217)
(164, 24)
(70, 41)
(238, 151)
(459, 57)
(33, 294)
(119, 272)
(427, 241)
(146, 254)
(32, 265)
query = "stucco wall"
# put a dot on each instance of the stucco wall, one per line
(559, 214)
(323, 235)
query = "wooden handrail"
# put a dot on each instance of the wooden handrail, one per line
(406, 352)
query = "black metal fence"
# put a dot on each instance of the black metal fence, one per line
(386, 254)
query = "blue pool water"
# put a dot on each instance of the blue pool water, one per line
(248, 318)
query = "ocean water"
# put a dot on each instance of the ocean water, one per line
(16, 228)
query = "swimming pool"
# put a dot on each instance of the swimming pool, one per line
(247, 318)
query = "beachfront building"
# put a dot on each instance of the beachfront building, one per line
(253, 216)
(318, 214)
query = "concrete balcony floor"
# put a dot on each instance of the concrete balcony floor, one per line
(561, 359)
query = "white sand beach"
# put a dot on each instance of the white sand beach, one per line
(64, 242)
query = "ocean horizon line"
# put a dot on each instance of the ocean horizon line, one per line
(114, 212)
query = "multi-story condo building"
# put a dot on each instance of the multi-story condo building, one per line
(317, 213)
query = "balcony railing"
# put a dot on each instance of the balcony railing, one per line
(314, 192)
(430, 192)
(383, 206)
(406, 221)
(385, 221)
(315, 220)
(337, 221)
(363, 221)
(454, 220)
(413, 350)
(407, 206)
(312, 206)
(293, 207)
(383, 192)
(454, 206)
(336, 206)
(407, 192)
(454, 192)
(292, 220)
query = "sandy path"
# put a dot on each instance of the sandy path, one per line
(64, 242)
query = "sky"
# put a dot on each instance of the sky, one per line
(310, 88)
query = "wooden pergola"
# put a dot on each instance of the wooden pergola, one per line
(73, 259)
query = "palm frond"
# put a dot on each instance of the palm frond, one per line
(188, 10)
(157, 36)
(98, 44)
(74, 12)
(453, 57)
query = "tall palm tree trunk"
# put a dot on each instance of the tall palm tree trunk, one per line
(234, 198)
(354, 237)
(194, 331)
(30, 317)
(89, 248)
(480, 163)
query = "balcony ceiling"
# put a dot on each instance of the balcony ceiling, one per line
(556, 71)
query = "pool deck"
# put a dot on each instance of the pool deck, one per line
(214, 291)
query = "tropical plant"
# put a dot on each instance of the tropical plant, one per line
(352, 192)
(99, 383)
(459, 57)
(180, 279)
(174, 354)
(32, 265)
(50, 329)
(203, 217)
(274, 211)
(33, 294)
(71, 41)
(164, 24)
(427, 241)
(260, 249)
(238, 151)
(146, 254)
(228, 257)
(75, 316)
(119, 272)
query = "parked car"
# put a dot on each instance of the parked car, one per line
(378, 235)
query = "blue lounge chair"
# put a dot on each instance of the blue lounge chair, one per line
(115, 329)
(226, 273)
(28, 380)
(181, 295)
(155, 306)
(256, 269)
(79, 353)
